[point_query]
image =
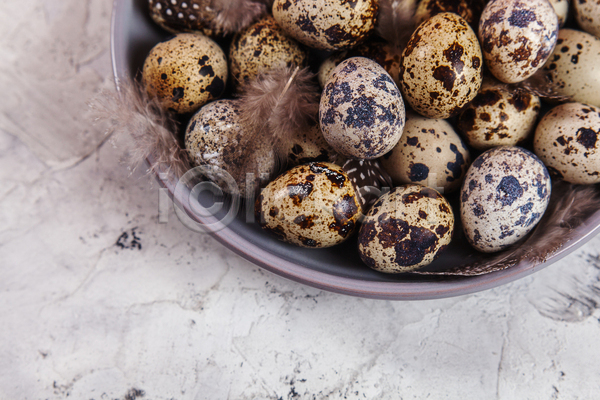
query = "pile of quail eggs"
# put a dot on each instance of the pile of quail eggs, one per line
(448, 116)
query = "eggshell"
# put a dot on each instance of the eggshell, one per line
(406, 229)
(561, 7)
(326, 24)
(429, 153)
(312, 205)
(261, 47)
(498, 117)
(361, 111)
(505, 194)
(384, 54)
(470, 10)
(441, 67)
(566, 140)
(309, 146)
(185, 72)
(517, 37)
(574, 66)
(212, 138)
(587, 15)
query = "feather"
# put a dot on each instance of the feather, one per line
(396, 21)
(370, 181)
(568, 207)
(235, 15)
(277, 106)
(539, 85)
(131, 112)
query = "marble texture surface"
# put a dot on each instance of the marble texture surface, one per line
(99, 300)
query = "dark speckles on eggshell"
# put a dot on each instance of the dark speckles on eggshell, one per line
(505, 203)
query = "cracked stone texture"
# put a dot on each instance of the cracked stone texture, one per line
(101, 301)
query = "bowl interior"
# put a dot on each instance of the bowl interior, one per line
(337, 269)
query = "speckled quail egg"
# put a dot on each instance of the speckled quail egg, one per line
(361, 111)
(561, 7)
(587, 15)
(183, 16)
(470, 10)
(312, 205)
(517, 37)
(441, 68)
(384, 54)
(505, 194)
(429, 153)
(566, 140)
(406, 229)
(261, 47)
(574, 66)
(212, 138)
(310, 145)
(326, 24)
(498, 117)
(185, 72)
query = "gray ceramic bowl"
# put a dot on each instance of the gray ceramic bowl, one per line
(338, 269)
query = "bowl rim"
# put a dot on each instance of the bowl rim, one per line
(403, 291)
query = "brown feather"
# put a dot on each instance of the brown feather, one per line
(276, 106)
(569, 205)
(132, 113)
(539, 85)
(396, 21)
(235, 15)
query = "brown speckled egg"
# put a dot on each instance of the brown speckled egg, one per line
(406, 229)
(312, 205)
(441, 68)
(185, 72)
(183, 16)
(561, 7)
(382, 53)
(361, 110)
(574, 66)
(309, 146)
(470, 10)
(429, 153)
(212, 138)
(261, 47)
(566, 140)
(498, 117)
(326, 24)
(587, 15)
(517, 37)
(505, 194)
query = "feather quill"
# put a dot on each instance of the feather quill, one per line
(132, 112)
(396, 21)
(235, 15)
(569, 205)
(277, 106)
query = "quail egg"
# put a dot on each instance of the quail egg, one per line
(312, 205)
(429, 153)
(573, 69)
(587, 15)
(504, 195)
(361, 111)
(212, 138)
(185, 72)
(566, 140)
(441, 68)
(326, 24)
(261, 47)
(310, 145)
(406, 229)
(517, 37)
(498, 117)
(561, 7)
